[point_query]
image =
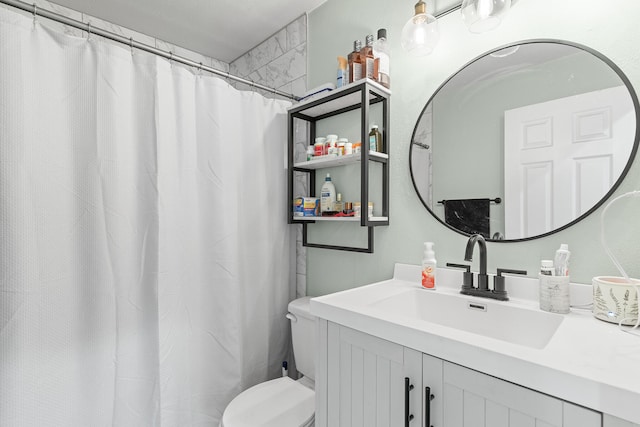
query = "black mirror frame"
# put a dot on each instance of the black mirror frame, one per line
(613, 188)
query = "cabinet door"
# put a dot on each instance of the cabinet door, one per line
(473, 399)
(366, 380)
(432, 384)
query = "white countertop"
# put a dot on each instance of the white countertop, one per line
(587, 361)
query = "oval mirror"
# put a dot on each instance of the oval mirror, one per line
(525, 140)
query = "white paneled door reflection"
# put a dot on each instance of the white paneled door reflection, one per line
(562, 156)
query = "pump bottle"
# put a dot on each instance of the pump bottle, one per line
(342, 77)
(429, 267)
(327, 195)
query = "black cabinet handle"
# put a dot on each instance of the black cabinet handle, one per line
(428, 397)
(407, 388)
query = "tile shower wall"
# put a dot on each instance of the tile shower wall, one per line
(280, 62)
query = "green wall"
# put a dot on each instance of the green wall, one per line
(609, 29)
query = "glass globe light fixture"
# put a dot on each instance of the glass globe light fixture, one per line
(420, 34)
(483, 15)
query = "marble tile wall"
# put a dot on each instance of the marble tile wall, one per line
(281, 62)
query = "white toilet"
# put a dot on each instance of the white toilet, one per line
(282, 402)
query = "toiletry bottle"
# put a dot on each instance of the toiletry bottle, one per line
(332, 144)
(367, 59)
(382, 59)
(546, 268)
(375, 139)
(338, 206)
(561, 260)
(355, 62)
(342, 72)
(319, 148)
(555, 288)
(429, 267)
(327, 195)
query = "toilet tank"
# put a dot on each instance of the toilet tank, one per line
(303, 334)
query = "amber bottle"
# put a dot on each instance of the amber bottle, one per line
(366, 54)
(354, 60)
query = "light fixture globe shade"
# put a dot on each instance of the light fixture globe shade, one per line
(420, 34)
(483, 15)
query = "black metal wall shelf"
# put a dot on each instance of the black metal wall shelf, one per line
(359, 95)
(332, 161)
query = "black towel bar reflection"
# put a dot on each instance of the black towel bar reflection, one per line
(497, 200)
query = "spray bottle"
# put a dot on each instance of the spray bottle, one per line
(429, 267)
(343, 77)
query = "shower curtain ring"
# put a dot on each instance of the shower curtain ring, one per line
(35, 13)
(131, 44)
(200, 69)
(89, 30)
(171, 58)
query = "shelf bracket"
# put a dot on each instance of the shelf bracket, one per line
(367, 250)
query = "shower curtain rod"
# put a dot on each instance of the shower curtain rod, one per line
(135, 44)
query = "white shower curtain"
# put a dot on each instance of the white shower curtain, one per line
(145, 265)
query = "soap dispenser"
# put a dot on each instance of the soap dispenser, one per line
(429, 267)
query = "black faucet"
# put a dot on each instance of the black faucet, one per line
(483, 280)
(498, 292)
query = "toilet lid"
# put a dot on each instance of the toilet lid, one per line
(282, 402)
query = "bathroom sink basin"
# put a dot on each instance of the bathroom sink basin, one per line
(499, 320)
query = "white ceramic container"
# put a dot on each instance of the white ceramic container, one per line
(614, 299)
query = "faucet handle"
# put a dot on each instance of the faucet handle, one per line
(498, 281)
(464, 266)
(467, 276)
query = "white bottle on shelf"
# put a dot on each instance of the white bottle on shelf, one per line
(327, 195)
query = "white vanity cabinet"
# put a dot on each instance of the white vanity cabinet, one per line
(365, 380)
(361, 381)
(474, 399)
